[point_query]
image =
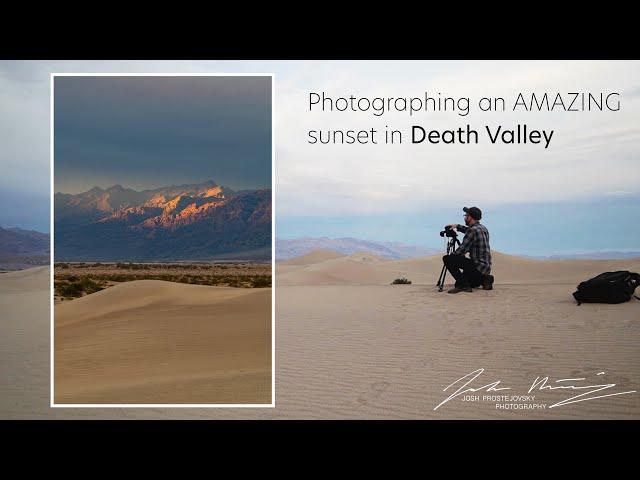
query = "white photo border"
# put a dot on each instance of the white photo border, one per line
(52, 403)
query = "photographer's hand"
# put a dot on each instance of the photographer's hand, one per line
(453, 225)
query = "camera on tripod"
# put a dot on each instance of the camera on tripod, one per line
(452, 244)
(448, 232)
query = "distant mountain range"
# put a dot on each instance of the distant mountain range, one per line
(202, 221)
(594, 256)
(290, 248)
(23, 248)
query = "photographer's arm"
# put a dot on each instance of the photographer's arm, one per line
(465, 246)
(461, 228)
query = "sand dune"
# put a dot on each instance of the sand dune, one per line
(316, 256)
(31, 279)
(151, 341)
(394, 348)
(367, 269)
(369, 351)
(356, 269)
(24, 343)
(511, 269)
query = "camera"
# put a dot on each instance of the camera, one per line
(448, 232)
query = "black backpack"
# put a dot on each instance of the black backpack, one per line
(608, 287)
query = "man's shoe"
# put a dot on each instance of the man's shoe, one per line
(460, 289)
(487, 282)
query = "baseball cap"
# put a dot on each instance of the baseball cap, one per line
(474, 212)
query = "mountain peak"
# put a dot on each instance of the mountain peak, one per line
(200, 220)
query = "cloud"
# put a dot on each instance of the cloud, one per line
(151, 131)
(591, 152)
(633, 92)
(25, 99)
(24, 123)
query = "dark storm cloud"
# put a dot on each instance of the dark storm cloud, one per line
(145, 132)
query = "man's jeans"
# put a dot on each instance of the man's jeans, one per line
(463, 270)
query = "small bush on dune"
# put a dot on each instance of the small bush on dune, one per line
(89, 286)
(261, 282)
(75, 285)
(70, 290)
(76, 288)
(401, 281)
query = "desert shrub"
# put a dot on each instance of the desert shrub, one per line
(89, 286)
(70, 290)
(401, 281)
(261, 281)
(198, 274)
(76, 288)
(113, 277)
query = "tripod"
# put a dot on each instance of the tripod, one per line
(452, 244)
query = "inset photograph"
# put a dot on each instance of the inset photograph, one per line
(162, 256)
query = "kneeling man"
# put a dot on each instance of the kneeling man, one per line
(476, 270)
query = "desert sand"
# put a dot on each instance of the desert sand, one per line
(24, 343)
(316, 256)
(388, 351)
(350, 345)
(151, 341)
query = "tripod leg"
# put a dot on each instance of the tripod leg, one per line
(443, 273)
(451, 246)
(440, 276)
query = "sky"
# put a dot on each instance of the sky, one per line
(593, 154)
(536, 229)
(147, 132)
(581, 193)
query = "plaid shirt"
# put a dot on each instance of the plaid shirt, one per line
(476, 242)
